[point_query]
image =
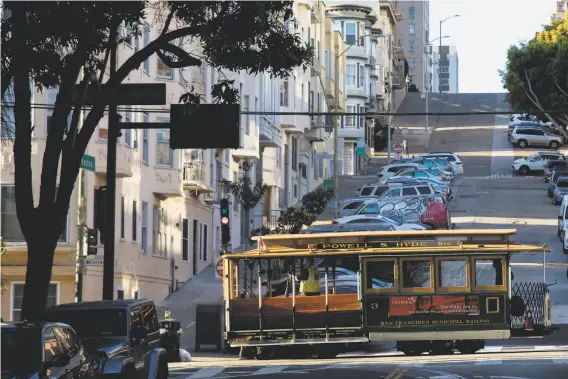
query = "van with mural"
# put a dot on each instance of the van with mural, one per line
(431, 210)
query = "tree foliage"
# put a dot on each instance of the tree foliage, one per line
(247, 193)
(536, 74)
(59, 44)
(312, 205)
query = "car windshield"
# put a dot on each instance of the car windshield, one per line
(87, 322)
(21, 350)
(562, 184)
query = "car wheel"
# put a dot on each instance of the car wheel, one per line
(524, 170)
(562, 236)
(522, 143)
(554, 202)
(554, 145)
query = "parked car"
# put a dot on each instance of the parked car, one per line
(348, 206)
(439, 186)
(524, 137)
(551, 165)
(434, 162)
(453, 158)
(394, 168)
(553, 179)
(43, 350)
(536, 162)
(397, 224)
(563, 222)
(521, 125)
(372, 190)
(422, 173)
(560, 190)
(122, 336)
(430, 210)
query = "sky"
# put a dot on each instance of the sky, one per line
(483, 33)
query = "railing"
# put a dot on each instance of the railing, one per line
(315, 13)
(194, 172)
(316, 66)
(269, 220)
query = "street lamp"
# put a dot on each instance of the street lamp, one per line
(441, 22)
(426, 88)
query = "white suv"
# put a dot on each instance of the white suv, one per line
(535, 162)
(453, 158)
(394, 168)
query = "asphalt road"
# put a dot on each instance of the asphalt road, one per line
(519, 365)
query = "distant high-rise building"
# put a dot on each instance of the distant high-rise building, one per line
(561, 7)
(446, 74)
(414, 33)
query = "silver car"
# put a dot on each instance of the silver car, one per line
(560, 190)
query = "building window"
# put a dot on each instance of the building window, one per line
(412, 12)
(412, 63)
(122, 211)
(411, 28)
(155, 227)
(412, 46)
(120, 294)
(18, 297)
(145, 140)
(134, 221)
(361, 79)
(136, 41)
(146, 43)
(302, 99)
(185, 240)
(444, 69)
(128, 132)
(351, 75)
(129, 35)
(164, 72)
(350, 33)
(235, 202)
(144, 228)
(164, 155)
(203, 244)
(444, 81)
(9, 225)
(284, 94)
(137, 293)
(294, 148)
(326, 64)
(350, 120)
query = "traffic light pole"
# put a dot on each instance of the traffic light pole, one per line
(113, 134)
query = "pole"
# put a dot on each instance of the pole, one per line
(440, 52)
(390, 101)
(426, 80)
(81, 239)
(113, 134)
(336, 141)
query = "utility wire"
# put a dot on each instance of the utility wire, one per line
(470, 113)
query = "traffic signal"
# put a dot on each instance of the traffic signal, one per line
(100, 209)
(225, 230)
(92, 241)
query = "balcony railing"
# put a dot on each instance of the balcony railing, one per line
(316, 12)
(269, 220)
(316, 66)
(195, 177)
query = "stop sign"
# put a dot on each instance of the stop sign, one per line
(397, 148)
(219, 267)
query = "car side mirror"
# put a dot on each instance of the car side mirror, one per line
(59, 360)
(560, 218)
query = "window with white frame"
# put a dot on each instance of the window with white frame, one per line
(128, 132)
(411, 29)
(164, 72)
(350, 120)
(129, 35)
(146, 41)
(444, 69)
(136, 293)
(326, 63)
(351, 75)
(145, 140)
(120, 293)
(350, 33)
(134, 220)
(284, 94)
(17, 298)
(144, 236)
(411, 63)
(122, 218)
(203, 242)
(185, 240)
(9, 225)
(411, 12)
(164, 155)
(246, 108)
(155, 228)
(412, 46)
(361, 79)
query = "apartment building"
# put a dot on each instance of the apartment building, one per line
(446, 78)
(414, 33)
(560, 12)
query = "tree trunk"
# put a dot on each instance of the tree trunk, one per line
(247, 228)
(38, 276)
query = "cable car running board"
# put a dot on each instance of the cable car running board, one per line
(308, 341)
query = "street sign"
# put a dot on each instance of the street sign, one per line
(128, 94)
(88, 163)
(397, 148)
(324, 155)
(328, 184)
(219, 268)
(97, 260)
(360, 151)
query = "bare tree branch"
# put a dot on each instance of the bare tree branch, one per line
(560, 89)
(167, 23)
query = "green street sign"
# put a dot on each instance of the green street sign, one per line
(88, 163)
(328, 184)
(361, 151)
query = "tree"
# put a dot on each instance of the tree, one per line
(54, 43)
(312, 205)
(247, 193)
(536, 75)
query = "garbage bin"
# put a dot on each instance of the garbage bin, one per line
(208, 325)
(170, 338)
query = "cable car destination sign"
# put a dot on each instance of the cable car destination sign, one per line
(385, 245)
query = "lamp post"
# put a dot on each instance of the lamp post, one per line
(441, 22)
(426, 88)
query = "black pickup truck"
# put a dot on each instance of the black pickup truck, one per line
(121, 336)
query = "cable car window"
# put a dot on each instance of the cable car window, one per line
(452, 273)
(416, 274)
(380, 275)
(489, 272)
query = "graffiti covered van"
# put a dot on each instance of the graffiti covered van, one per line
(428, 209)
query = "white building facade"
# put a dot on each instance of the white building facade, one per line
(446, 78)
